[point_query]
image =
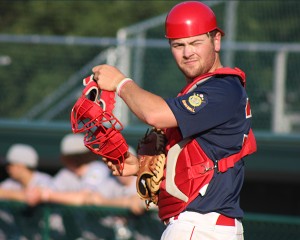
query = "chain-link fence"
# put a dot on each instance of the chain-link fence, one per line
(59, 222)
(41, 77)
(262, 38)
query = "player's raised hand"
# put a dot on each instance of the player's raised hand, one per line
(129, 167)
(107, 77)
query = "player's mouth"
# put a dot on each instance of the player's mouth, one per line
(190, 62)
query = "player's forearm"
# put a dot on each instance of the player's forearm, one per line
(134, 203)
(17, 195)
(148, 107)
(67, 198)
(116, 202)
(94, 198)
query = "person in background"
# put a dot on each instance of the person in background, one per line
(21, 166)
(86, 180)
(82, 172)
(82, 168)
(122, 193)
(22, 161)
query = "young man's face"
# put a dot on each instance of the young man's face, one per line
(196, 55)
(16, 171)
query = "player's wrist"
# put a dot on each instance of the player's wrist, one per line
(126, 202)
(121, 84)
(45, 195)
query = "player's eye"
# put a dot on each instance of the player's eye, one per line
(177, 45)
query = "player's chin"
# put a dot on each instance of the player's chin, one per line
(189, 73)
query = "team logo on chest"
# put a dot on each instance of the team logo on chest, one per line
(194, 101)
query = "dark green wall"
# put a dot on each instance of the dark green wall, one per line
(277, 156)
(272, 173)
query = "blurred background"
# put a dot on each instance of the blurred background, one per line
(48, 47)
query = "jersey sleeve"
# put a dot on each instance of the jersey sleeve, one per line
(65, 180)
(98, 178)
(40, 179)
(207, 106)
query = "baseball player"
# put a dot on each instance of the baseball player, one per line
(22, 161)
(82, 172)
(21, 166)
(208, 128)
(82, 179)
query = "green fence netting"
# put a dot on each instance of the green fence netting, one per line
(47, 222)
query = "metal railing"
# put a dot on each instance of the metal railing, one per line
(119, 52)
(63, 222)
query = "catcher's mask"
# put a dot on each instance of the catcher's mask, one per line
(92, 115)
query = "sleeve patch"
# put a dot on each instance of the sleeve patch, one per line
(194, 102)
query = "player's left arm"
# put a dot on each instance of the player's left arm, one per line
(35, 196)
(148, 107)
(16, 195)
(133, 202)
(131, 166)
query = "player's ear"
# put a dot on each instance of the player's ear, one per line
(217, 41)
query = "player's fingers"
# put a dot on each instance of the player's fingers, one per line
(109, 164)
(114, 169)
(96, 75)
(95, 69)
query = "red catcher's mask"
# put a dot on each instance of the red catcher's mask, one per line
(92, 115)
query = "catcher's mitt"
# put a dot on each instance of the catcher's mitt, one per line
(151, 154)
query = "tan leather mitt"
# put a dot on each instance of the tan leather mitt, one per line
(151, 153)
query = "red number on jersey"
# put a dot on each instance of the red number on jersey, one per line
(248, 109)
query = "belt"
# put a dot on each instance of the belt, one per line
(221, 221)
(225, 221)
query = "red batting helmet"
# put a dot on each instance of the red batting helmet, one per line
(188, 19)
